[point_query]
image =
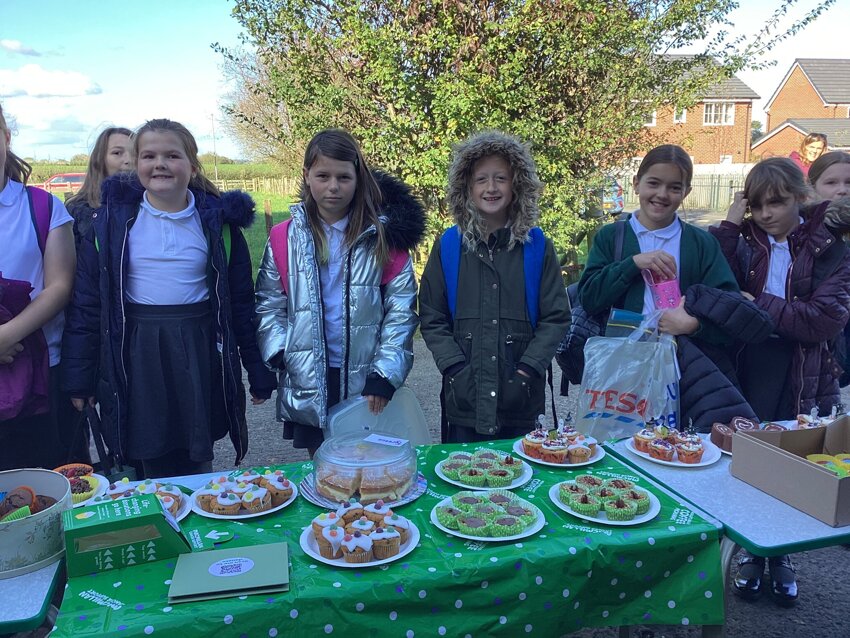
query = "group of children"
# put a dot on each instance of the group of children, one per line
(160, 314)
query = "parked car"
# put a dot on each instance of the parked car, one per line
(64, 183)
(613, 201)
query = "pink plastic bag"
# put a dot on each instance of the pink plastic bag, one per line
(665, 293)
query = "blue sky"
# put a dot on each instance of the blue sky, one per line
(68, 70)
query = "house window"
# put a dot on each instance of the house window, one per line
(649, 119)
(719, 114)
(680, 116)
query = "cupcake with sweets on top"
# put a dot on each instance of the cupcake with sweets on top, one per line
(400, 523)
(386, 542)
(356, 548)
(362, 525)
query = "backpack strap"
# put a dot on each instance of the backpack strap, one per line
(619, 238)
(228, 240)
(279, 240)
(533, 254)
(41, 210)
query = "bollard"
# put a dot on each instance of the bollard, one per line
(267, 211)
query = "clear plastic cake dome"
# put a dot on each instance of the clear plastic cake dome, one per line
(367, 466)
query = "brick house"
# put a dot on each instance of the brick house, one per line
(716, 130)
(789, 135)
(813, 88)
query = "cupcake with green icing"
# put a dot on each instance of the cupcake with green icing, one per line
(472, 476)
(473, 525)
(639, 498)
(585, 504)
(620, 509)
(498, 477)
(505, 525)
(447, 516)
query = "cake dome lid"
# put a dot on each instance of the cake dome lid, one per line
(364, 449)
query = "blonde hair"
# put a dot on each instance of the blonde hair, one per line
(15, 168)
(199, 181)
(811, 138)
(96, 171)
(339, 145)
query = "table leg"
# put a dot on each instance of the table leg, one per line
(728, 549)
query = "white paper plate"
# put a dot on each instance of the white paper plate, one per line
(710, 456)
(100, 490)
(308, 491)
(238, 517)
(519, 481)
(597, 455)
(535, 527)
(311, 548)
(602, 517)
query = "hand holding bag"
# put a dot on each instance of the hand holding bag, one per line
(627, 381)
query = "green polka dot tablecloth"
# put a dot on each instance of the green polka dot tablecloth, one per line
(569, 575)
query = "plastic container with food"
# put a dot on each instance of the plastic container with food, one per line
(367, 466)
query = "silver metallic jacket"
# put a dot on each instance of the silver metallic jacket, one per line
(379, 321)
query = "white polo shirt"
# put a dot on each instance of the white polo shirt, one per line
(331, 275)
(20, 256)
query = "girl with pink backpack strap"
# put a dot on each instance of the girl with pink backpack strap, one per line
(336, 293)
(37, 424)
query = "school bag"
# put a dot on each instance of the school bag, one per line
(279, 240)
(23, 383)
(532, 255)
(583, 325)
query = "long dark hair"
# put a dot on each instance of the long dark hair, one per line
(96, 171)
(199, 181)
(339, 145)
(16, 168)
(668, 154)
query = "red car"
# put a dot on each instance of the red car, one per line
(64, 183)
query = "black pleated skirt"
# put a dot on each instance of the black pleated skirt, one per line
(175, 397)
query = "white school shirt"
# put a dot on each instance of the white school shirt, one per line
(167, 257)
(20, 256)
(331, 275)
(778, 266)
(668, 239)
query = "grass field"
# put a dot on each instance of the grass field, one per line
(256, 235)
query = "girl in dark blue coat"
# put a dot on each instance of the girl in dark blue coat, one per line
(163, 307)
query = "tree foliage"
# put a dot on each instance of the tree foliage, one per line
(409, 78)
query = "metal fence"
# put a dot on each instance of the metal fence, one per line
(708, 192)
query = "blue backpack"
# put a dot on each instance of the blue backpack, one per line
(532, 253)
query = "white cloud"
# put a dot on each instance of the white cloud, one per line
(34, 81)
(16, 46)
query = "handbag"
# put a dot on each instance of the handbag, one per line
(108, 463)
(628, 381)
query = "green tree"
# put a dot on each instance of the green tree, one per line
(573, 77)
(756, 132)
(80, 158)
(211, 158)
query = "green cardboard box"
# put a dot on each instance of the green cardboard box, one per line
(129, 531)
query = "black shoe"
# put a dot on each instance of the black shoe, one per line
(783, 580)
(747, 581)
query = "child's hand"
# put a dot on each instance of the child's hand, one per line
(658, 261)
(738, 209)
(376, 403)
(9, 354)
(677, 321)
(79, 404)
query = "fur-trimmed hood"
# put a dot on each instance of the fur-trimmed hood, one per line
(402, 212)
(526, 186)
(237, 207)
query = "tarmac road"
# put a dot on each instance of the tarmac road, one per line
(822, 610)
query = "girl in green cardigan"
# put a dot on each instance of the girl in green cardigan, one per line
(656, 240)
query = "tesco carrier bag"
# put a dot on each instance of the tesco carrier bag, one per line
(628, 381)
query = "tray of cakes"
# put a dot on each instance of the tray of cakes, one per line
(669, 446)
(559, 447)
(171, 497)
(613, 501)
(357, 536)
(366, 466)
(722, 433)
(86, 485)
(484, 468)
(494, 515)
(246, 494)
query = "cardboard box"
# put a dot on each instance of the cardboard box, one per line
(775, 462)
(122, 533)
